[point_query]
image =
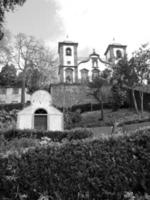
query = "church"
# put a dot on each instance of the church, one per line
(72, 90)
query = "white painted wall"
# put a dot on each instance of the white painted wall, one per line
(40, 100)
(68, 58)
(25, 121)
(56, 123)
(88, 66)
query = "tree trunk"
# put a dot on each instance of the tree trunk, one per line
(134, 101)
(141, 98)
(102, 110)
(23, 90)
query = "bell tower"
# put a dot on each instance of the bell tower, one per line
(114, 52)
(68, 57)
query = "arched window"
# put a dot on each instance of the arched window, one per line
(40, 119)
(84, 75)
(95, 73)
(68, 51)
(69, 75)
(118, 54)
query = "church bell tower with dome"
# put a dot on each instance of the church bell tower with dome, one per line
(68, 71)
(115, 52)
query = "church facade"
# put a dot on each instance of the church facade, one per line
(74, 74)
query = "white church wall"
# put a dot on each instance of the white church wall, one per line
(69, 59)
(25, 121)
(88, 66)
(56, 122)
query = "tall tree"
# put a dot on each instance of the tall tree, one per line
(134, 73)
(31, 54)
(5, 48)
(141, 63)
(96, 86)
(125, 76)
(6, 6)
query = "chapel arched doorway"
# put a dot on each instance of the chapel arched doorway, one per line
(40, 119)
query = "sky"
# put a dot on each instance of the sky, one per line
(94, 24)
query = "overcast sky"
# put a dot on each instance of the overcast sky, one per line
(91, 23)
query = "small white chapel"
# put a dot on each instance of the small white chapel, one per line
(41, 114)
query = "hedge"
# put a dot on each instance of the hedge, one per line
(56, 136)
(11, 106)
(91, 170)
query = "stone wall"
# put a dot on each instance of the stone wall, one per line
(68, 95)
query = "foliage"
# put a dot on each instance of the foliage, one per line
(35, 62)
(132, 196)
(106, 73)
(141, 60)
(79, 134)
(55, 136)
(96, 86)
(71, 118)
(17, 145)
(97, 169)
(11, 106)
(8, 76)
(8, 119)
(134, 73)
(119, 96)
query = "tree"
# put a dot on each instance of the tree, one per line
(31, 54)
(33, 81)
(5, 48)
(141, 64)
(96, 86)
(125, 77)
(133, 74)
(8, 75)
(106, 73)
(6, 6)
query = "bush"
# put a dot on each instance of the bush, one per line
(8, 119)
(71, 118)
(55, 136)
(12, 106)
(17, 145)
(79, 134)
(99, 169)
(119, 97)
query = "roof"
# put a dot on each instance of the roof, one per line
(114, 45)
(67, 42)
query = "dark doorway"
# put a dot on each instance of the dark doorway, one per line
(40, 119)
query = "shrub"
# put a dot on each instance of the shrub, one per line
(79, 134)
(70, 118)
(18, 145)
(9, 107)
(99, 169)
(119, 96)
(8, 119)
(55, 136)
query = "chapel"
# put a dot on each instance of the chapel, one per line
(41, 114)
(74, 73)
